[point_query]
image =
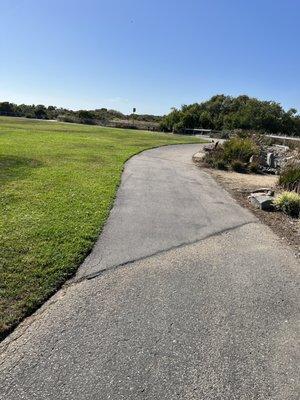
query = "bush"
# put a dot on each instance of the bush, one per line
(67, 118)
(220, 164)
(239, 149)
(254, 167)
(242, 134)
(288, 202)
(224, 135)
(215, 158)
(238, 166)
(290, 177)
(236, 153)
(179, 127)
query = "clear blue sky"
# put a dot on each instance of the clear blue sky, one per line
(148, 54)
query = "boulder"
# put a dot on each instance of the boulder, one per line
(198, 156)
(211, 147)
(262, 201)
(271, 160)
(261, 190)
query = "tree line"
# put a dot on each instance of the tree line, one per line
(40, 111)
(228, 113)
(222, 113)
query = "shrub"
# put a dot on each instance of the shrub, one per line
(236, 153)
(179, 127)
(238, 166)
(210, 160)
(220, 164)
(215, 157)
(224, 135)
(239, 149)
(290, 177)
(288, 202)
(241, 133)
(254, 167)
(66, 118)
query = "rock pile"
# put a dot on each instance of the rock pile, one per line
(273, 158)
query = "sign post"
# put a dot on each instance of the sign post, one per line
(133, 112)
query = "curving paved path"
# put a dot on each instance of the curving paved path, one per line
(163, 202)
(185, 296)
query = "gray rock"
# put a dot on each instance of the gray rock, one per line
(198, 156)
(282, 147)
(262, 201)
(271, 160)
(261, 190)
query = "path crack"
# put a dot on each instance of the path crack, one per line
(23, 327)
(112, 268)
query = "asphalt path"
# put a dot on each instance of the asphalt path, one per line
(163, 202)
(185, 296)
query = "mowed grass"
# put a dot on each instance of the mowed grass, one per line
(57, 185)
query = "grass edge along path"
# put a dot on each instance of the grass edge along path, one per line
(58, 183)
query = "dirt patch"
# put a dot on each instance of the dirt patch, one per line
(246, 182)
(241, 185)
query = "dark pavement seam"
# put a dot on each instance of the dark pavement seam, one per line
(183, 244)
(22, 328)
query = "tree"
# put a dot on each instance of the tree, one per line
(85, 115)
(242, 112)
(6, 108)
(40, 112)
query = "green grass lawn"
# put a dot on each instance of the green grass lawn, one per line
(58, 182)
